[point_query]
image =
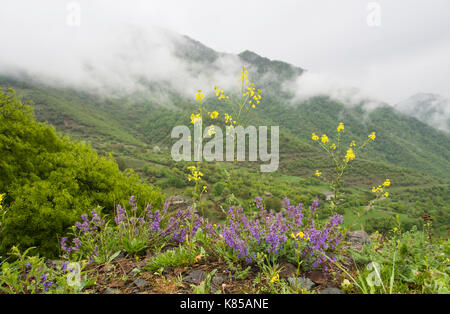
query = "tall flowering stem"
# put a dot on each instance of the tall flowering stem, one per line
(249, 98)
(340, 161)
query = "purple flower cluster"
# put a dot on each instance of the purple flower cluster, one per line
(46, 283)
(246, 235)
(181, 225)
(87, 225)
(323, 239)
(268, 231)
(69, 249)
(160, 225)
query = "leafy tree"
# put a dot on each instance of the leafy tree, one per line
(50, 180)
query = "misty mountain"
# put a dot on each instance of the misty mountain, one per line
(143, 86)
(431, 109)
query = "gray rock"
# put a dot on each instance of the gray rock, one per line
(331, 290)
(359, 236)
(176, 202)
(111, 291)
(301, 283)
(140, 283)
(134, 271)
(195, 276)
(288, 270)
(318, 276)
(217, 280)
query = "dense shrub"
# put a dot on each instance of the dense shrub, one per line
(49, 180)
(273, 202)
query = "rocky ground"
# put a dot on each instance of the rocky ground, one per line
(127, 275)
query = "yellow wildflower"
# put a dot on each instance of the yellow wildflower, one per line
(244, 76)
(318, 173)
(211, 130)
(315, 137)
(228, 118)
(214, 114)
(324, 138)
(195, 118)
(195, 174)
(300, 235)
(205, 189)
(387, 182)
(352, 144)
(350, 155)
(372, 136)
(386, 194)
(333, 146)
(340, 127)
(275, 278)
(199, 96)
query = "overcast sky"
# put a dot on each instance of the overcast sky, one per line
(403, 50)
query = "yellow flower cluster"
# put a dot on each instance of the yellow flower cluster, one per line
(324, 138)
(195, 174)
(244, 76)
(372, 136)
(340, 127)
(211, 130)
(213, 114)
(352, 144)
(199, 96)
(380, 189)
(195, 118)
(333, 146)
(219, 93)
(299, 235)
(350, 155)
(229, 119)
(1, 199)
(318, 173)
(315, 137)
(275, 278)
(253, 94)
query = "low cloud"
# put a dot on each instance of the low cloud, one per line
(311, 84)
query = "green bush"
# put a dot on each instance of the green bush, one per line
(273, 202)
(49, 180)
(219, 188)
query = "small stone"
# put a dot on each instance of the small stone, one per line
(195, 276)
(359, 236)
(134, 271)
(111, 291)
(217, 280)
(176, 202)
(288, 270)
(331, 290)
(140, 283)
(318, 277)
(301, 283)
